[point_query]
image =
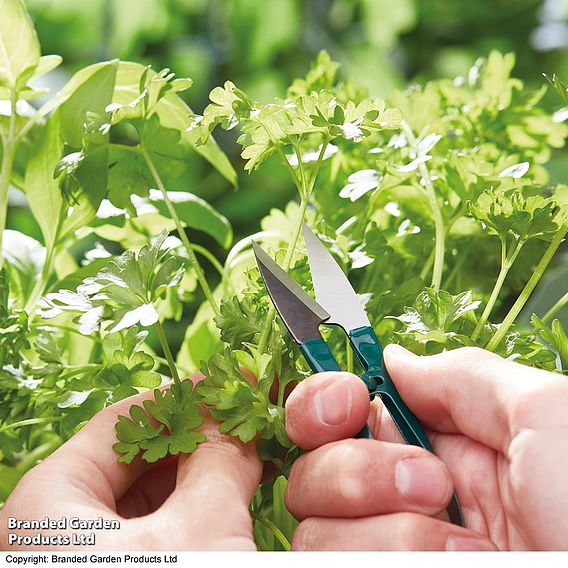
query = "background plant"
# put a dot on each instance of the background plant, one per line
(437, 200)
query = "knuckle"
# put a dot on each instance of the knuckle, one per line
(409, 528)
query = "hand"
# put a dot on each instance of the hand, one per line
(500, 430)
(200, 501)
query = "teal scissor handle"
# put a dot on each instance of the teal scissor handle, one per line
(370, 354)
(320, 358)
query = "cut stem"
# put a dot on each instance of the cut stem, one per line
(440, 236)
(528, 289)
(167, 352)
(182, 234)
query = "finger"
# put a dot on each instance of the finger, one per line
(209, 507)
(85, 468)
(149, 491)
(326, 407)
(468, 390)
(400, 531)
(358, 478)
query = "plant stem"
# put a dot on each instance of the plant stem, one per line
(440, 236)
(181, 232)
(305, 194)
(9, 146)
(528, 289)
(507, 261)
(41, 283)
(273, 529)
(211, 258)
(167, 352)
(38, 454)
(556, 308)
(30, 422)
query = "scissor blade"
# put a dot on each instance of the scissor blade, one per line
(301, 314)
(333, 290)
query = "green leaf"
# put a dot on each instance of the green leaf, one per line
(177, 413)
(42, 190)
(510, 213)
(123, 293)
(438, 320)
(555, 336)
(19, 46)
(240, 321)
(173, 113)
(244, 410)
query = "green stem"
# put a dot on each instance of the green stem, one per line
(427, 265)
(167, 352)
(462, 257)
(30, 422)
(273, 529)
(41, 284)
(30, 459)
(181, 232)
(556, 308)
(528, 289)
(507, 261)
(305, 194)
(440, 234)
(211, 258)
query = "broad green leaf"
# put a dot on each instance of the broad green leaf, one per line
(173, 113)
(90, 96)
(42, 190)
(46, 64)
(19, 46)
(194, 213)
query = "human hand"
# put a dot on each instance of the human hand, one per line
(199, 501)
(500, 430)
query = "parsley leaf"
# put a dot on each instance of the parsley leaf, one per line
(176, 411)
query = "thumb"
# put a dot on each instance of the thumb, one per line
(209, 508)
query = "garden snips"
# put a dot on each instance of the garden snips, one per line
(338, 304)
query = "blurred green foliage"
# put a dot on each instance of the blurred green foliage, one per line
(262, 46)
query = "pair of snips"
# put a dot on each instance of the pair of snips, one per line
(338, 304)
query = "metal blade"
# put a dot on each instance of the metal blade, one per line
(333, 290)
(301, 314)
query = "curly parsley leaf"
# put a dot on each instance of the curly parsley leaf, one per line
(509, 213)
(244, 409)
(177, 414)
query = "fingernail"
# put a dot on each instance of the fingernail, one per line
(333, 402)
(469, 543)
(423, 481)
(399, 351)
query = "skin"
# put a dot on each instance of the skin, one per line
(196, 502)
(500, 430)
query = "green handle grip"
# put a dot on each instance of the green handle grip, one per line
(320, 358)
(370, 355)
